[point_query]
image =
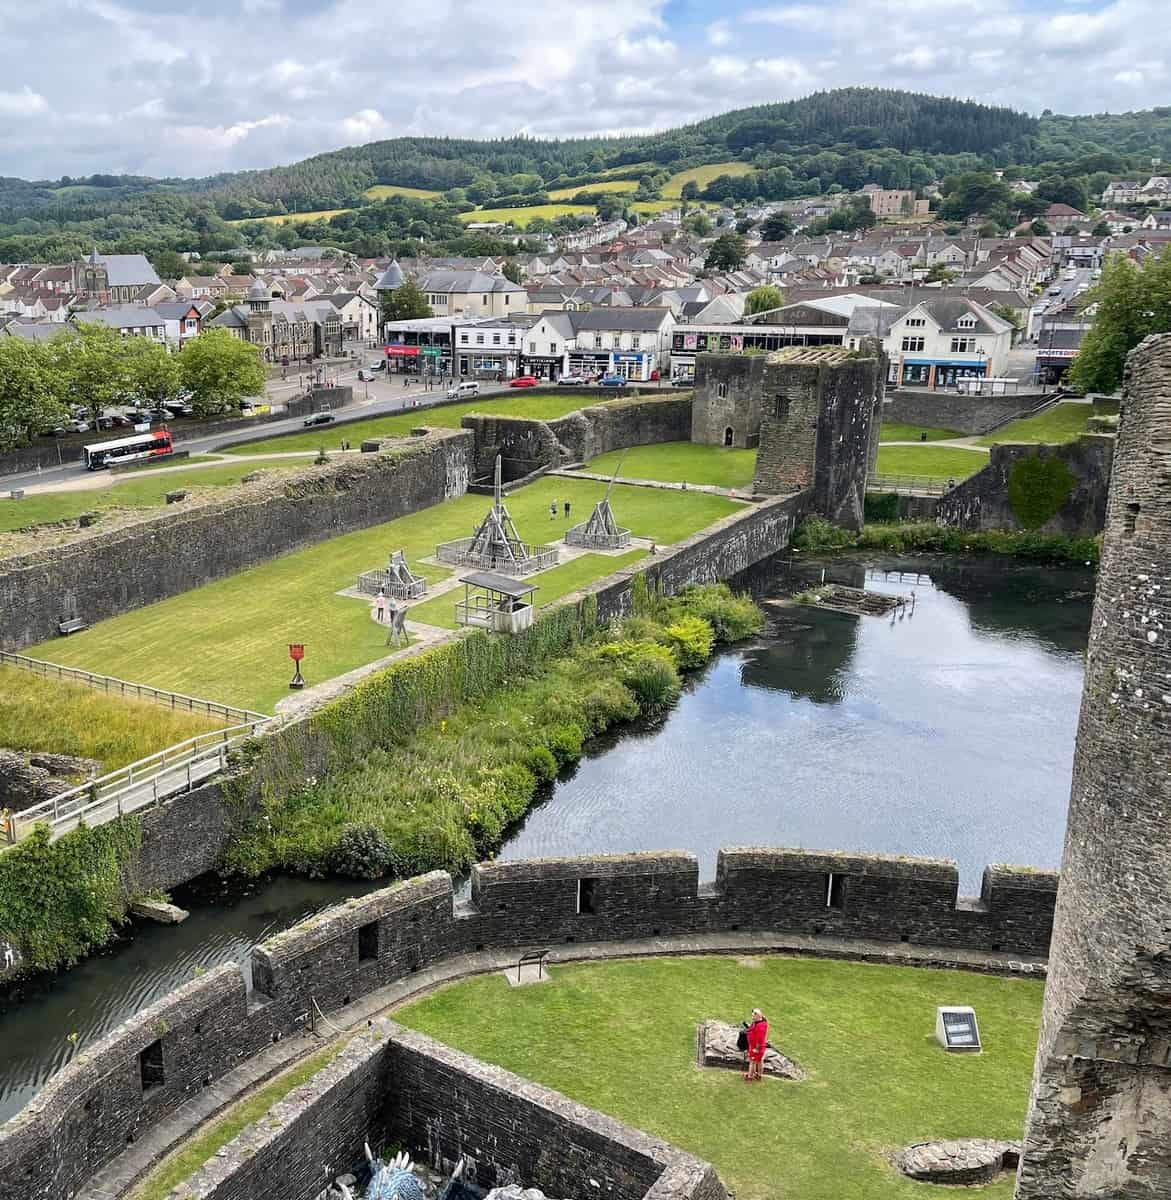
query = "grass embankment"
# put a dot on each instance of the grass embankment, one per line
(702, 176)
(544, 406)
(681, 462)
(441, 793)
(818, 536)
(1062, 423)
(50, 716)
(893, 432)
(620, 1037)
(179, 1166)
(129, 491)
(930, 462)
(228, 639)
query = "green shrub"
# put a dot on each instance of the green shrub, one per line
(732, 618)
(565, 742)
(653, 680)
(690, 640)
(542, 764)
(361, 852)
(817, 535)
(1037, 488)
(881, 506)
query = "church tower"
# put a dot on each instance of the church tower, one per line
(260, 318)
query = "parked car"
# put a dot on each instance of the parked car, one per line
(524, 381)
(682, 381)
(572, 381)
(178, 408)
(321, 418)
(612, 381)
(466, 387)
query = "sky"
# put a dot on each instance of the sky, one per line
(132, 86)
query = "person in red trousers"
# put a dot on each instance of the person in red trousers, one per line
(757, 1041)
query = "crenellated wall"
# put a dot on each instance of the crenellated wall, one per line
(99, 573)
(89, 1111)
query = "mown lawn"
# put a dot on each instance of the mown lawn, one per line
(620, 1037)
(937, 462)
(681, 462)
(48, 715)
(228, 640)
(129, 491)
(545, 406)
(892, 432)
(1062, 423)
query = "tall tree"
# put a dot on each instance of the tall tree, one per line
(513, 271)
(405, 303)
(221, 371)
(763, 299)
(154, 370)
(94, 367)
(31, 398)
(726, 253)
(1131, 303)
(777, 226)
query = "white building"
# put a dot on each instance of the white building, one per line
(631, 342)
(942, 340)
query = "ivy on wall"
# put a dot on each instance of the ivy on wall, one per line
(1037, 488)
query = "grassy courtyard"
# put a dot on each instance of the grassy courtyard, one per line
(129, 491)
(1062, 423)
(892, 432)
(934, 462)
(47, 715)
(227, 640)
(620, 1037)
(544, 406)
(681, 462)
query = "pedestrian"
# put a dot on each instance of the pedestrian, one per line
(567, 510)
(380, 607)
(553, 510)
(757, 1043)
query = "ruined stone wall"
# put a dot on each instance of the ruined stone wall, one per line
(1101, 1104)
(817, 431)
(968, 415)
(100, 573)
(985, 500)
(727, 396)
(89, 1110)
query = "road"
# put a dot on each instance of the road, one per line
(375, 399)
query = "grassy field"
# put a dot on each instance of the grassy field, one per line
(702, 176)
(937, 462)
(620, 1037)
(321, 214)
(69, 718)
(681, 462)
(228, 639)
(382, 191)
(177, 1167)
(914, 433)
(1062, 423)
(546, 406)
(642, 166)
(606, 185)
(129, 491)
(520, 217)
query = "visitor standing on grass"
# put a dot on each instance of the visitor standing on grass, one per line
(567, 510)
(380, 607)
(553, 510)
(757, 1042)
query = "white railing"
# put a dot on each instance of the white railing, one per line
(136, 691)
(142, 783)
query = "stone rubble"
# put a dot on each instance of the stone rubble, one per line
(963, 1161)
(717, 1048)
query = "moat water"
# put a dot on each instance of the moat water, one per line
(946, 732)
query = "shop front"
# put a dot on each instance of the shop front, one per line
(634, 365)
(589, 363)
(1053, 363)
(488, 364)
(543, 366)
(940, 373)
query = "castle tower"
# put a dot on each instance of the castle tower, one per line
(1100, 1116)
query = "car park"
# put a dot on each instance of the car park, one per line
(524, 381)
(466, 387)
(320, 418)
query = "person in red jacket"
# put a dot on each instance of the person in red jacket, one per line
(757, 1042)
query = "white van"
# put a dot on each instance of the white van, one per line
(468, 387)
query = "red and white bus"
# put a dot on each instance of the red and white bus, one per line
(127, 449)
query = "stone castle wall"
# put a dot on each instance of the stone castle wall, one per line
(99, 574)
(969, 415)
(983, 501)
(1101, 1104)
(727, 396)
(109, 1094)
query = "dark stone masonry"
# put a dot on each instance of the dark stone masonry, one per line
(967, 415)
(122, 1085)
(1100, 1118)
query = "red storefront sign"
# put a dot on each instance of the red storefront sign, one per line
(402, 351)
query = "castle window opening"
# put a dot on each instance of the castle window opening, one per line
(721, 390)
(1131, 518)
(729, 436)
(781, 406)
(587, 897)
(150, 1065)
(368, 941)
(835, 890)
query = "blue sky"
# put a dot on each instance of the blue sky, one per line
(130, 86)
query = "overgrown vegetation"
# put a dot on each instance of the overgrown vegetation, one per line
(434, 758)
(818, 536)
(61, 900)
(1037, 488)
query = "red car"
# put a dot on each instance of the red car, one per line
(524, 381)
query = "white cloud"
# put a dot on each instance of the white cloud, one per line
(23, 103)
(718, 33)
